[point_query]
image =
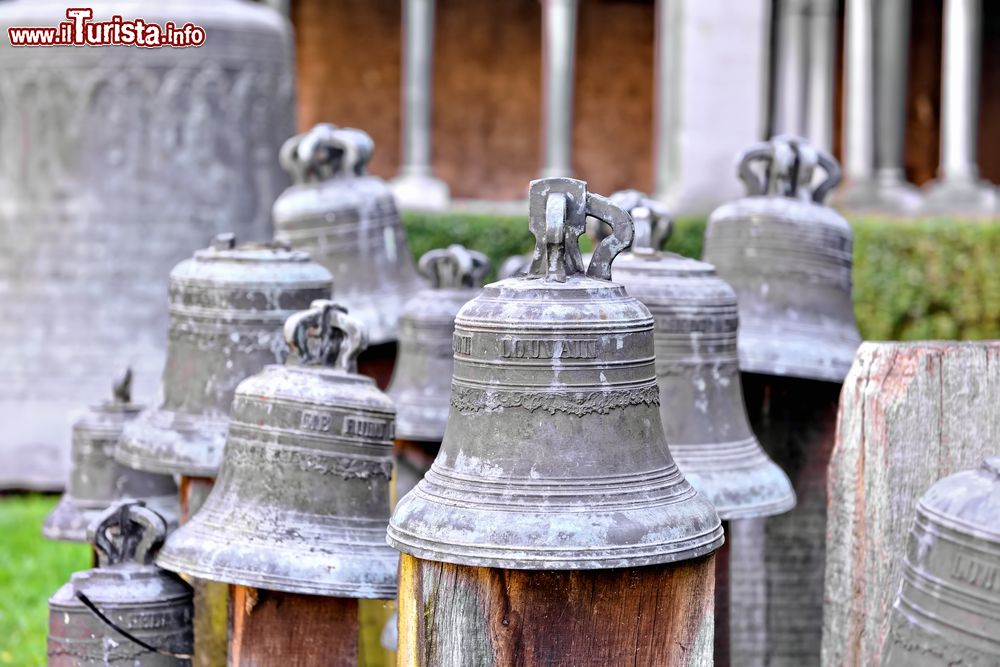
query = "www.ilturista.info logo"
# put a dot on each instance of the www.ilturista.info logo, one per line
(81, 30)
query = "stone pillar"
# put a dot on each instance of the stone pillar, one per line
(792, 67)
(558, 67)
(416, 188)
(822, 40)
(958, 188)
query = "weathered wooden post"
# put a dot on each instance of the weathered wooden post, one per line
(910, 413)
(554, 527)
(789, 259)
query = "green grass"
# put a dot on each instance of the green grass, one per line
(31, 569)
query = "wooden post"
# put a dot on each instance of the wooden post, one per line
(378, 362)
(457, 616)
(210, 598)
(910, 414)
(722, 595)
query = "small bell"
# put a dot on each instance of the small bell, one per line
(227, 307)
(302, 499)
(947, 611)
(97, 481)
(697, 369)
(126, 611)
(789, 258)
(348, 222)
(554, 455)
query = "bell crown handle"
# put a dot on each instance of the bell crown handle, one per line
(325, 335)
(652, 222)
(121, 390)
(326, 151)
(784, 167)
(128, 532)
(454, 267)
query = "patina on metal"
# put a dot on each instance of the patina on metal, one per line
(789, 258)
(227, 306)
(348, 222)
(127, 611)
(302, 500)
(117, 162)
(697, 369)
(97, 481)
(554, 456)
(947, 611)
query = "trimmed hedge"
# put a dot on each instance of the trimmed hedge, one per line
(913, 279)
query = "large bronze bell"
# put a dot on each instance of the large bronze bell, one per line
(947, 611)
(789, 258)
(126, 611)
(97, 481)
(302, 500)
(697, 369)
(554, 456)
(227, 307)
(348, 222)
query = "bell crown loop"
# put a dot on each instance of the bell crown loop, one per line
(784, 167)
(341, 338)
(326, 151)
(121, 390)
(454, 267)
(650, 218)
(127, 533)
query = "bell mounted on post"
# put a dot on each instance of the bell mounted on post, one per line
(697, 369)
(127, 611)
(347, 220)
(302, 499)
(227, 306)
(789, 258)
(97, 481)
(554, 455)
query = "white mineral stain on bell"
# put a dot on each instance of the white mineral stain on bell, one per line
(235, 337)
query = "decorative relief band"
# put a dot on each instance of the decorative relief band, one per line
(345, 467)
(471, 400)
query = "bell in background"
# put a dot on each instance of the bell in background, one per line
(302, 500)
(421, 382)
(554, 456)
(97, 481)
(127, 611)
(117, 162)
(227, 306)
(697, 369)
(947, 611)
(347, 220)
(789, 258)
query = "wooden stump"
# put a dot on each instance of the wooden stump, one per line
(272, 629)
(211, 599)
(722, 595)
(378, 362)
(910, 414)
(459, 616)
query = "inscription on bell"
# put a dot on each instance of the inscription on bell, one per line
(541, 348)
(368, 428)
(316, 421)
(461, 343)
(975, 572)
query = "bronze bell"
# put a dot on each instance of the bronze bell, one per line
(302, 499)
(126, 611)
(697, 369)
(947, 611)
(789, 258)
(554, 455)
(227, 307)
(348, 222)
(97, 481)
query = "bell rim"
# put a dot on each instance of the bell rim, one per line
(199, 435)
(751, 342)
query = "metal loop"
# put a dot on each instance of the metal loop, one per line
(652, 222)
(557, 217)
(758, 153)
(341, 338)
(622, 233)
(453, 267)
(127, 532)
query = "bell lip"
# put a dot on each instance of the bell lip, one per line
(417, 427)
(751, 344)
(198, 437)
(69, 519)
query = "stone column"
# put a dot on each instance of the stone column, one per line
(958, 188)
(558, 67)
(416, 188)
(822, 38)
(792, 67)
(859, 106)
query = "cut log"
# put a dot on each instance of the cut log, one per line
(910, 414)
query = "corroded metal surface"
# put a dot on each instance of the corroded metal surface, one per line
(97, 481)
(697, 369)
(789, 258)
(227, 307)
(947, 611)
(117, 161)
(421, 383)
(554, 456)
(348, 222)
(146, 602)
(302, 500)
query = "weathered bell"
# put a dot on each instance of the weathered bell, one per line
(348, 222)
(789, 258)
(97, 481)
(302, 500)
(127, 611)
(554, 455)
(227, 306)
(697, 369)
(947, 611)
